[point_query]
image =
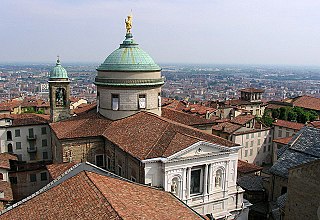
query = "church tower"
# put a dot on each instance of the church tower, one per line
(59, 93)
(128, 81)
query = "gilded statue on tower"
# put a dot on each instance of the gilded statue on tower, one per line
(128, 22)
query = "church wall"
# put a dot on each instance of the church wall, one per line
(128, 101)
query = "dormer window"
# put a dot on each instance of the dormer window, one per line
(115, 102)
(142, 101)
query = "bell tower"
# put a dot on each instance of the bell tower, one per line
(59, 93)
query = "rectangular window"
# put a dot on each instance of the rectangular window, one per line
(245, 153)
(44, 143)
(119, 170)
(33, 177)
(17, 133)
(19, 157)
(195, 181)
(247, 136)
(159, 100)
(115, 102)
(43, 130)
(287, 134)
(259, 134)
(269, 147)
(280, 133)
(31, 134)
(247, 144)
(251, 145)
(108, 163)
(45, 155)
(18, 145)
(44, 176)
(32, 156)
(251, 152)
(100, 160)
(264, 148)
(252, 135)
(269, 139)
(142, 101)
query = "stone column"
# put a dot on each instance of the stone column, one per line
(184, 183)
(210, 179)
(188, 182)
(205, 180)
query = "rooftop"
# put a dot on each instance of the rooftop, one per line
(88, 192)
(288, 124)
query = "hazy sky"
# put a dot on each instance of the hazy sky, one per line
(202, 31)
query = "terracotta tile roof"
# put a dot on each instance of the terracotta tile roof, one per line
(288, 124)
(97, 195)
(10, 104)
(5, 160)
(226, 127)
(251, 90)
(84, 108)
(199, 109)
(308, 102)
(146, 135)
(56, 170)
(185, 118)
(175, 104)
(245, 167)
(86, 125)
(315, 124)
(274, 106)
(242, 119)
(236, 102)
(26, 119)
(5, 187)
(283, 141)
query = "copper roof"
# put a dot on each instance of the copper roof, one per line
(288, 124)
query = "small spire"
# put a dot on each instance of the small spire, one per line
(58, 60)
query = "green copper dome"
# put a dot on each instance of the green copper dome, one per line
(129, 57)
(58, 72)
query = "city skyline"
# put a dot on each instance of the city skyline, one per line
(206, 32)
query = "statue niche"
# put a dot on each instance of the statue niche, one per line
(175, 186)
(60, 97)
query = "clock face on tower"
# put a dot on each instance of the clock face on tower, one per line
(60, 97)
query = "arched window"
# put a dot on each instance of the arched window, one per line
(10, 149)
(1, 176)
(218, 179)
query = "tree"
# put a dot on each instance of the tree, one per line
(292, 115)
(266, 118)
(275, 113)
(283, 113)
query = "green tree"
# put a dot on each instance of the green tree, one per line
(283, 113)
(275, 113)
(266, 118)
(292, 115)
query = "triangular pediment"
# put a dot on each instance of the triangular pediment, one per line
(199, 149)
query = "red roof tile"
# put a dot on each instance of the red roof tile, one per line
(5, 160)
(5, 187)
(283, 141)
(288, 124)
(26, 119)
(86, 125)
(84, 108)
(56, 170)
(89, 195)
(146, 135)
(251, 90)
(315, 124)
(185, 118)
(245, 167)
(242, 119)
(307, 102)
(226, 127)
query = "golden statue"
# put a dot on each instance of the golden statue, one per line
(128, 24)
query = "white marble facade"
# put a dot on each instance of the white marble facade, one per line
(203, 176)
